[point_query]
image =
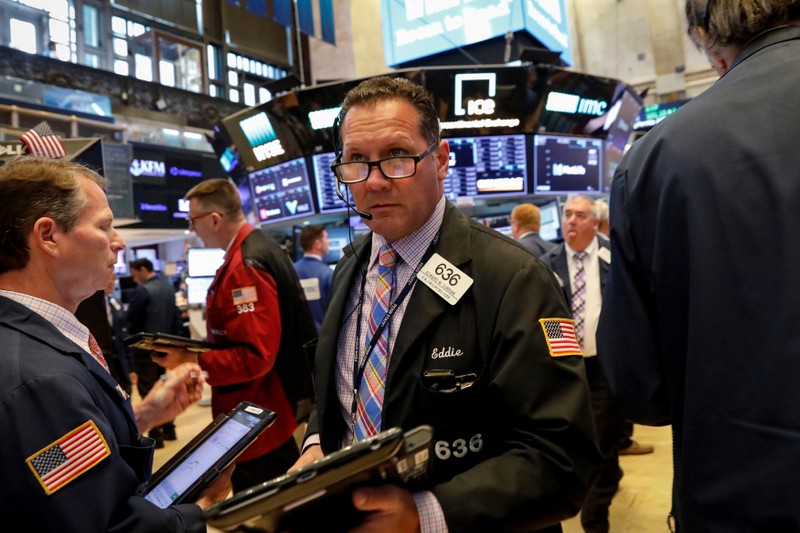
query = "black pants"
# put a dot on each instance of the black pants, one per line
(266, 467)
(609, 422)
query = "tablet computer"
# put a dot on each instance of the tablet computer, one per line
(318, 497)
(150, 341)
(198, 463)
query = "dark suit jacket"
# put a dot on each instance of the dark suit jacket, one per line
(536, 245)
(527, 415)
(557, 260)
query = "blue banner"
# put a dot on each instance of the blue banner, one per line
(283, 12)
(259, 7)
(326, 21)
(305, 14)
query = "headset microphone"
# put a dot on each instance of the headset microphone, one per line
(338, 153)
(362, 214)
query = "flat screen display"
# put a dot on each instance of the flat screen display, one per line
(620, 119)
(420, 28)
(197, 289)
(339, 238)
(487, 166)
(550, 217)
(265, 135)
(229, 160)
(246, 197)
(565, 164)
(327, 199)
(204, 261)
(282, 191)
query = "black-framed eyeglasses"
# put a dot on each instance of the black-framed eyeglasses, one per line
(393, 168)
(192, 219)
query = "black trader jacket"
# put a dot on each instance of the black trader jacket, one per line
(516, 450)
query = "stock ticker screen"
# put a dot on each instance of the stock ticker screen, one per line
(487, 166)
(327, 199)
(564, 164)
(282, 191)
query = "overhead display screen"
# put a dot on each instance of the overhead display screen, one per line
(487, 166)
(282, 191)
(479, 101)
(620, 119)
(565, 164)
(327, 199)
(420, 28)
(267, 134)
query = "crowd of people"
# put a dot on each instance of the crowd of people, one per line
(529, 359)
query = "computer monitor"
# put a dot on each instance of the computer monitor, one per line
(327, 199)
(358, 225)
(246, 197)
(500, 223)
(197, 290)
(282, 191)
(204, 261)
(339, 238)
(564, 164)
(550, 217)
(487, 166)
(121, 267)
(620, 119)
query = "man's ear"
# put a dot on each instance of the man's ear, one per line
(443, 159)
(46, 235)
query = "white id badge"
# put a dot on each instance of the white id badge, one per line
(445, 279)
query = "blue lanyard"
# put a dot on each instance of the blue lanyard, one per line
(360, 366)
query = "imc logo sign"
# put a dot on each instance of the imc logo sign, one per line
(484, 85)
(574, 104)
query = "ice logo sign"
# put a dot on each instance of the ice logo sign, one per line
(477, 106)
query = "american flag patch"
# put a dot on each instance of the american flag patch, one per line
(70, 456)
(560, 335)
(244, 295)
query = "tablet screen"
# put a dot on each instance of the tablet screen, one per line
(200, 460)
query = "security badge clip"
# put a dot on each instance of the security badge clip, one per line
(445, 380)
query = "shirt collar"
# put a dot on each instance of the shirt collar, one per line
(412, 247)
(61, 318)
(590, 249)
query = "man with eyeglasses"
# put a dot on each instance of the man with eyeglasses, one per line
(256, 313)
(704, 282)
(471, 344)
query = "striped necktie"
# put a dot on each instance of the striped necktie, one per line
(97, 353)
(579, 295)
(373, 382)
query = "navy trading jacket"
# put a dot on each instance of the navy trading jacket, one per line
(49, 388)
(700, 324)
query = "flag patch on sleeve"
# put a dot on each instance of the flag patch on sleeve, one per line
(560, 335)
(70, 456)
(244, 295)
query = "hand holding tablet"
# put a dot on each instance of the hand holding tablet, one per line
(184, 477)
